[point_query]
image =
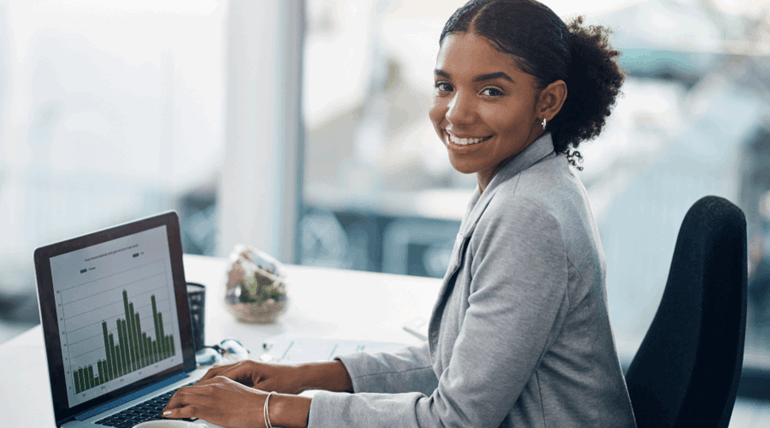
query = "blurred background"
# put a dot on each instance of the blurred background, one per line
(302, 128)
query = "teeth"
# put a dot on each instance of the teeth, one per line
(464, 141)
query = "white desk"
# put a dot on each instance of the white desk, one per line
(325, 303)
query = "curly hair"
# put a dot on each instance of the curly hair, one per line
(542, 45)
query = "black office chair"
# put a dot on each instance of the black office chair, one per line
(686, 371)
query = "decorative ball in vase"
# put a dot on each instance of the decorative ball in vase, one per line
(256, 286)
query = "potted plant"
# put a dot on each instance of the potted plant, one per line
(256, 286)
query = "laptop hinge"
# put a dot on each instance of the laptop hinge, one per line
(129, 397)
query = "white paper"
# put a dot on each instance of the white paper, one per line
(290, 349)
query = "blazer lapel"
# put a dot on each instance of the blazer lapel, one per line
(537, 151)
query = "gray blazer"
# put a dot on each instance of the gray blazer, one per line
(520, 334)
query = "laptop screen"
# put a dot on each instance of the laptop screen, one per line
(114, 312)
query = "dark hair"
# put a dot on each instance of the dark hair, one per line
(542, 45)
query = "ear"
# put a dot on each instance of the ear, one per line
(551, 99)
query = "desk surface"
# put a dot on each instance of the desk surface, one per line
(324, 303)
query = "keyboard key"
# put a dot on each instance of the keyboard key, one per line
(145, 411)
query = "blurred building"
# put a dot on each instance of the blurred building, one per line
(692, 121)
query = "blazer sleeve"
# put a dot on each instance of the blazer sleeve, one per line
(517, 295)
(408, 370)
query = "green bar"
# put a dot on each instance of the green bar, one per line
(146, 349)
(101, 371)
(82, 379)
(155, 350)
(171, 342)
(91, 380)
(131, 343)
(162, 338)
(126, 350)
(114, 361)
(129, 336)
(132, 338)
(139, 344)
(121, 349)
(77, 382)
(135, 336)
(120, 362)
(155, 319)
(128, 346)
(136, 333)
(108, 367)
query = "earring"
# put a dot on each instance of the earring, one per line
(543, 124)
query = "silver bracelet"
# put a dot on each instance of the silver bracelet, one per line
(266, 412)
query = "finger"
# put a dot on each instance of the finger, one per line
(216, 380)
(184, 396)
(240, 371)
(214, 371)
(209, 381)
(219, 370)
(177, 400)
(182, 412)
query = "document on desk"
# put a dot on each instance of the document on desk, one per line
(291, 349)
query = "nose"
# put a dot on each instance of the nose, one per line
(461, 109)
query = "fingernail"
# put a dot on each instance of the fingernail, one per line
(167, 412)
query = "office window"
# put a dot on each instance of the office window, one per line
(380, 195)
(109, 111)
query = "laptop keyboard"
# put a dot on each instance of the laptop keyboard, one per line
(145, 411)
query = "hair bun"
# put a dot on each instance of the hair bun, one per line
(593, 83)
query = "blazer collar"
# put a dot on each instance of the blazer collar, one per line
(534, 153)
(537, 151)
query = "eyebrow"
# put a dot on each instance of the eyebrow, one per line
(483, 77)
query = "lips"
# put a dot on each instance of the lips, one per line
(466, 141)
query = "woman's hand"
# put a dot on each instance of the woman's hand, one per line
(220, 401)
(233, 395)
(267, 377)
(228, 403)
(287, 379)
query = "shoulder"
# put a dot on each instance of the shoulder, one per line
(546, 204)
(535, 196)
(516, 221)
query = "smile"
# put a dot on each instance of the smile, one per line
(465, 141)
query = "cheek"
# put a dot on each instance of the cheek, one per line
(504, 119)
(436, 113)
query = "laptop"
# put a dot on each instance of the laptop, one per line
(116, 323)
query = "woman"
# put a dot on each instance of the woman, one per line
(520, 334)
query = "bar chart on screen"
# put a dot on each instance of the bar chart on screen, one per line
(116, 327)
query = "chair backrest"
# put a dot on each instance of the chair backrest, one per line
(686, 371)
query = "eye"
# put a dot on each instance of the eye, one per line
(443, 86)
(492, 92)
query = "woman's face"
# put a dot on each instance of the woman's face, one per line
(484, 106)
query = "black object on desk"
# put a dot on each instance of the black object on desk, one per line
(196, 297)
